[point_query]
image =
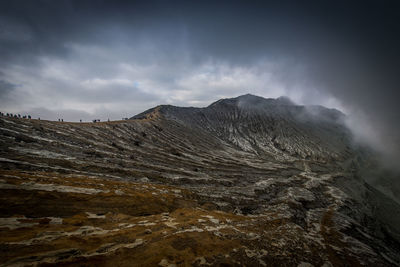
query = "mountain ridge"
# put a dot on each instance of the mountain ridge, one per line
(261, 116)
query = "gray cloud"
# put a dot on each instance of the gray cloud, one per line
(6, 88)
(7, 93)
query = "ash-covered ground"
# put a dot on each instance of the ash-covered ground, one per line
(246, 181)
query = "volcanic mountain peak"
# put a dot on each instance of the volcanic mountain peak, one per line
(282, 106)
(265, 125)
(248, 104)
(253, 101)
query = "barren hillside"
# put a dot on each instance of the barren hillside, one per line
(244, 181)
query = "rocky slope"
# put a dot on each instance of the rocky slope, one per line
(245, 181)
(274, 127)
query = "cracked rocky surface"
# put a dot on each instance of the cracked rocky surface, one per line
(223, 185)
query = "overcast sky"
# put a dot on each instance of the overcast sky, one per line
(113, 59)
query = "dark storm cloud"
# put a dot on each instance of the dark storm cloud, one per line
(94, 55)
(6, 88)
(6, 92)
